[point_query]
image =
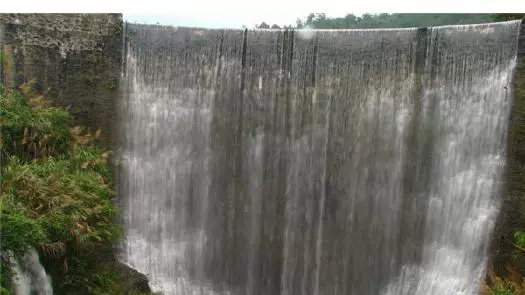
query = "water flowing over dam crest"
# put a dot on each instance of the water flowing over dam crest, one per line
(319, 162)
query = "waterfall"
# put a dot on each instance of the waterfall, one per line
(466, 106)
(29, 276)
(313, 161)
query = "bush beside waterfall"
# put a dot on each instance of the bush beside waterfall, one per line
(56, 195)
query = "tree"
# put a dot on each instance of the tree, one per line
(507, 16)
(396, 20)
(263, 25)
(298, 24)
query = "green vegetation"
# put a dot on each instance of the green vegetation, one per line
(56, 196)
(507, 16)
(394, 20)
(520, 238)
(504, 289)
(511, 284)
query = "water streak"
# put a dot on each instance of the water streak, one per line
(29, 276)
(333, 162)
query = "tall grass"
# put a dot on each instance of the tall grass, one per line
(56, 193)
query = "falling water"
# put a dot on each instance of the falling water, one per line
(465, 110)
(29, 276)
(313, 162)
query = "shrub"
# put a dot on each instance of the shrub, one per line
(31, 128)
(511, 284)
(520, 238)
(56, 192)
(503, 289)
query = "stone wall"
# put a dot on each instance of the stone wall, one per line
(74, 58)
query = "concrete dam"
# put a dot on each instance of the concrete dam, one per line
(294, 162)
(314, 161)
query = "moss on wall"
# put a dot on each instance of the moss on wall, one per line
(512, 217)
(74, 58)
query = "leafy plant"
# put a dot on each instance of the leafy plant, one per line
(504, 289)
(507, 16)
(56, 193)
(511, 284)
(5, 275)
(520, 238)
(31, 127)
(20, 232)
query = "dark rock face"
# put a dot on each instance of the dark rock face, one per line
(131, 279)
(74, 58)
(512, 216)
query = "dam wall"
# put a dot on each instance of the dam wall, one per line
(74, 58)
(267, 117)
(316, 161)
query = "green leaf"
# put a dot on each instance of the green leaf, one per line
(520, 238)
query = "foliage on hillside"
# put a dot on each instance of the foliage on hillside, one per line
(385, 20)
(512, 284)
(56, 194)
(501, 17)
(394, 20)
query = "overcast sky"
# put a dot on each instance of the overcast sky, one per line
(236, 13)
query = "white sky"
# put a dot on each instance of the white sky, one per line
(236, 13)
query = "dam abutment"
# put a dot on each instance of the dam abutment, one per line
(504, 252)
(75, 59)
